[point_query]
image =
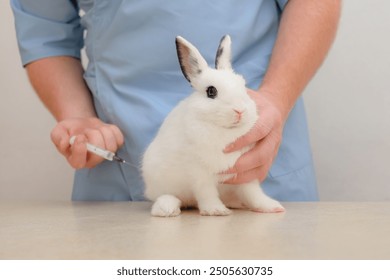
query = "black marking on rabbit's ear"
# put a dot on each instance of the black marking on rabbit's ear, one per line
(180, 54)
(223, 57)
(191, 61)
(219, 53)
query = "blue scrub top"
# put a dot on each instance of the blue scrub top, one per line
(135, 78)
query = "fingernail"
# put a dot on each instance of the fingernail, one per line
(229, 148)
(72, 139)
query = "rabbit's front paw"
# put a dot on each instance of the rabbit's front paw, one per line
(166, 206)
(219, 210)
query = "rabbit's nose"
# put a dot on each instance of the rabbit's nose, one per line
(238, 114)
(238, 111)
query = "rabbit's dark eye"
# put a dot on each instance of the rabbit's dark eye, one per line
(212, 92)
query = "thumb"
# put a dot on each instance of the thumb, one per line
(60, 138)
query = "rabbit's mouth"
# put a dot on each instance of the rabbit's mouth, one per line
(238, 118)
(235, 124)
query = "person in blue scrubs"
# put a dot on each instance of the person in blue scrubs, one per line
(133, 80)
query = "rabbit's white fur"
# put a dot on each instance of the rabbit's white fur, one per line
(182, 166)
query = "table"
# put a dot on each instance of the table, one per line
(125, 230)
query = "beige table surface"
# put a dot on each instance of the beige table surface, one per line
(124, 230)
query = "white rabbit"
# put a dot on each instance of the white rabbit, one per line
(182, 166)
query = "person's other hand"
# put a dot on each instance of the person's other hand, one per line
(266, 135)
(91, 130)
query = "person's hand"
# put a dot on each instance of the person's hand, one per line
(91, 130)
(266, 135)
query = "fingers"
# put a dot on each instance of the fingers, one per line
(265, 124)
(60, 138)
(255, 163)
(258, 132)
(75, 154)
(118, 134)
(95, 137)
(265, 137)
(77, 157)
(105, 136)
(113, 137)
(254, 158)
(258, 173)
(269, 119)
(250, 167)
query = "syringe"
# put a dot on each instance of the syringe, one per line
(100, 152)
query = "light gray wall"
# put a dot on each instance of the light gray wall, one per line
(348, 104)
(30, 167)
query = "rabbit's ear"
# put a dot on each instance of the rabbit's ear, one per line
(191, 61)
(224, 54)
